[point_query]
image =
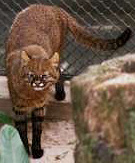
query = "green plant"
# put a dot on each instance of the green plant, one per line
(11, 147)
(5, 119)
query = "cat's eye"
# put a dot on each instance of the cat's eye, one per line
(46, 73)
(30, 75)
(45, 76)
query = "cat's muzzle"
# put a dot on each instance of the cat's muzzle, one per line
(38, 85)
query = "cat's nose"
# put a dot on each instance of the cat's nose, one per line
(38, 83)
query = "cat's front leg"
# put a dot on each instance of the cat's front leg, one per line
(37, 119)
(21, 126)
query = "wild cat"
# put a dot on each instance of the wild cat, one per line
(32, 58)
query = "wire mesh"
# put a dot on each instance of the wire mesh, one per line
(107, 19)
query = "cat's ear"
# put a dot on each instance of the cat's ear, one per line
(55, 60)
(24, 56)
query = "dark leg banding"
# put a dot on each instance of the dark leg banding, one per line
(21, 126)
(37, 119)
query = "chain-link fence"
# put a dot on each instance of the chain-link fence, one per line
(107, 18)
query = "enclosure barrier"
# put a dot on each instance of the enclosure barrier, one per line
(107, 19)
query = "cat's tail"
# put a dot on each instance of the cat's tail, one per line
(84, 36)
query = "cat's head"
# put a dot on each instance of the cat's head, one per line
(39, 73)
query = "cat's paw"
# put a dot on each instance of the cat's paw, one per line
(60, 96)
(37, 153)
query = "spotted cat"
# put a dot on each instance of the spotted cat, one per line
(32, 58)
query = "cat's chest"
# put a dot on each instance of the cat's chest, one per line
(30, 100)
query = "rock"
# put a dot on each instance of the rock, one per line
(103, 99)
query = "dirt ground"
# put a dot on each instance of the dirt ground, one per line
(58, 137)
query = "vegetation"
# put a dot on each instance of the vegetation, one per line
(11, 146)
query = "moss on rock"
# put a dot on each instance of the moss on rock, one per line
(104, 112)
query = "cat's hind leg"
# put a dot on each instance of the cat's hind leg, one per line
(37, 119)
(59, 89)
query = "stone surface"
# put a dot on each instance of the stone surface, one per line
(104, 112)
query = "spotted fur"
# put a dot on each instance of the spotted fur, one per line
(32, 56)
